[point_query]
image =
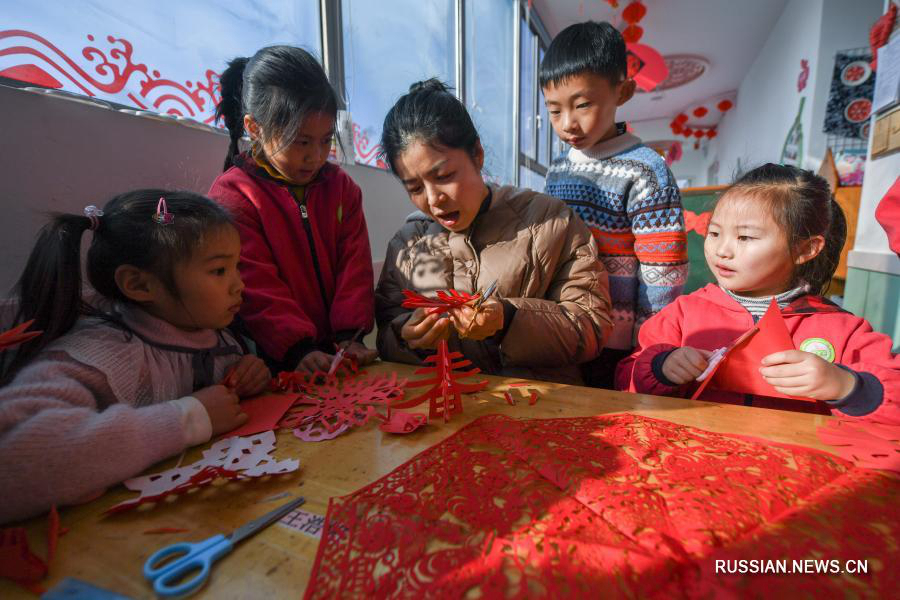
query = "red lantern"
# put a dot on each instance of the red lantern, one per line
(632, 34)
(634, 12)
(725, 105)
(676, 129)
(681, 118)
(700, 112)
(688, 132)
(699, 134)
(711, 133)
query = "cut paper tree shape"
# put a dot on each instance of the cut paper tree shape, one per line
(232, 458)
(738, 370)
(446, 300)
(445, 394)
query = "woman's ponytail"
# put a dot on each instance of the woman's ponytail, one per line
(49, 290)
(230, 108)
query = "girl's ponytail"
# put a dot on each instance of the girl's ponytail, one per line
(49, 290)
(821, 272)
(230, 109)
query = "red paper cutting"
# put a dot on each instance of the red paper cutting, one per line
(609, 506)
(446, 300)
(264, 413)
(17, 562)
(327, 405)
(445, 394)
(17, 335)
(867, 443)
(718, 357)
(739, 372)
(402, 422)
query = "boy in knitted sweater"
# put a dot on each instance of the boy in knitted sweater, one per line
(621, 188)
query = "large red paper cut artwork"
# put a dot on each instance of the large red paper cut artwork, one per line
(327, 406)
(446, 300)
(866, 442)
(739, 371)
(445, 394)
(608, 506)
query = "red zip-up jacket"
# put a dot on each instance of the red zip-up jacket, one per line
(709, 319)
(306, 265)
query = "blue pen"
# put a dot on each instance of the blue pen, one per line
(201, 555)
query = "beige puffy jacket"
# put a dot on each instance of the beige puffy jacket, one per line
(546, 264)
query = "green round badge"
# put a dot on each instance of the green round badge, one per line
(820, 347)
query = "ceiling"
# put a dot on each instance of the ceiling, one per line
(728, 34)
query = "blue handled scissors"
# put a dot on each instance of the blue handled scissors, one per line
(202, 554)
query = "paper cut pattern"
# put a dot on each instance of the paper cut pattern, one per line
(865, 442)
(607, 506)
(17, 335)
(446, 300)
(739, 369)
(445, 394)
(265, 412)
(232, 458)
(327, 406)
(18, 563)
(402, 422)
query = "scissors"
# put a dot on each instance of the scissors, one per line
(477, 304)
(339, 355)
(202, 554)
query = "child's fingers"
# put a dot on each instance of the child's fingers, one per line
(783, 370)
(785, 356)
(694, 360)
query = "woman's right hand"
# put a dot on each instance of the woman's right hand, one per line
(423, 331)
(223, 407)
(685, 364)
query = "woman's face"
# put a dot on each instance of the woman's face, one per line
(444, 183)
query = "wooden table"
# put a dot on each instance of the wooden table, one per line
(110, 551)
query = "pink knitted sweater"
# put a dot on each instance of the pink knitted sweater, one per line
(100, 405)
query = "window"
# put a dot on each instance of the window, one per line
(135, 54)
(537, 143)
(489, 53)
(387, 46)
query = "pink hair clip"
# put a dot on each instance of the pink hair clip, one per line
(163, 216)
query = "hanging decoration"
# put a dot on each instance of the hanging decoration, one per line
(881, 32)
(850, 98)
(803, 77)
(699, 132)
(792, 151)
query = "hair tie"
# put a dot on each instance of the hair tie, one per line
(163, 216)
(93, 213)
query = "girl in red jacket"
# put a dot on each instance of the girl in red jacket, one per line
(305, 256)
(776, 233)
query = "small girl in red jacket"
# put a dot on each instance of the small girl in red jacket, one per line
(305, 256)
(776, 233)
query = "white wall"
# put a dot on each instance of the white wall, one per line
(691, 166)
(60, 155)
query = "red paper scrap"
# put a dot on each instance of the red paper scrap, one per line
(18, 563)
(17, 335)
(264, 412)
(445, 394)
(402, 422)
(867, 443)
(606, 506)
(446, 300)
(162, 530)
(532, 400)
(509, 398)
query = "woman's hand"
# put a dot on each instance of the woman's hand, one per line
(248, 377)
(478, 324)
(806, 375)
(359, 352)
(685, 364)
(423, 331)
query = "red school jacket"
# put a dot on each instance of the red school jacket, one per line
(709, 319)
(306, 265)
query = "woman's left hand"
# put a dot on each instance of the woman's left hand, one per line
(804, 374)
(248, 376)
(480, 324)
(358, 351)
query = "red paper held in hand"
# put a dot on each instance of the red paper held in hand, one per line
(446, 300)
(17, 335)
(264, 412)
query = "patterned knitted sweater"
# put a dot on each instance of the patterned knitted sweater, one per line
(100, 405)
(628, 197)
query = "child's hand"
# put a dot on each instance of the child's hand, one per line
(685, 364)
(223, 407)
(315, 361)
(358, 351)
(480, 324)
(806, 375)
(424, 331)
(249, 376)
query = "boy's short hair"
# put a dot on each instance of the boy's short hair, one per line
(590, 46)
